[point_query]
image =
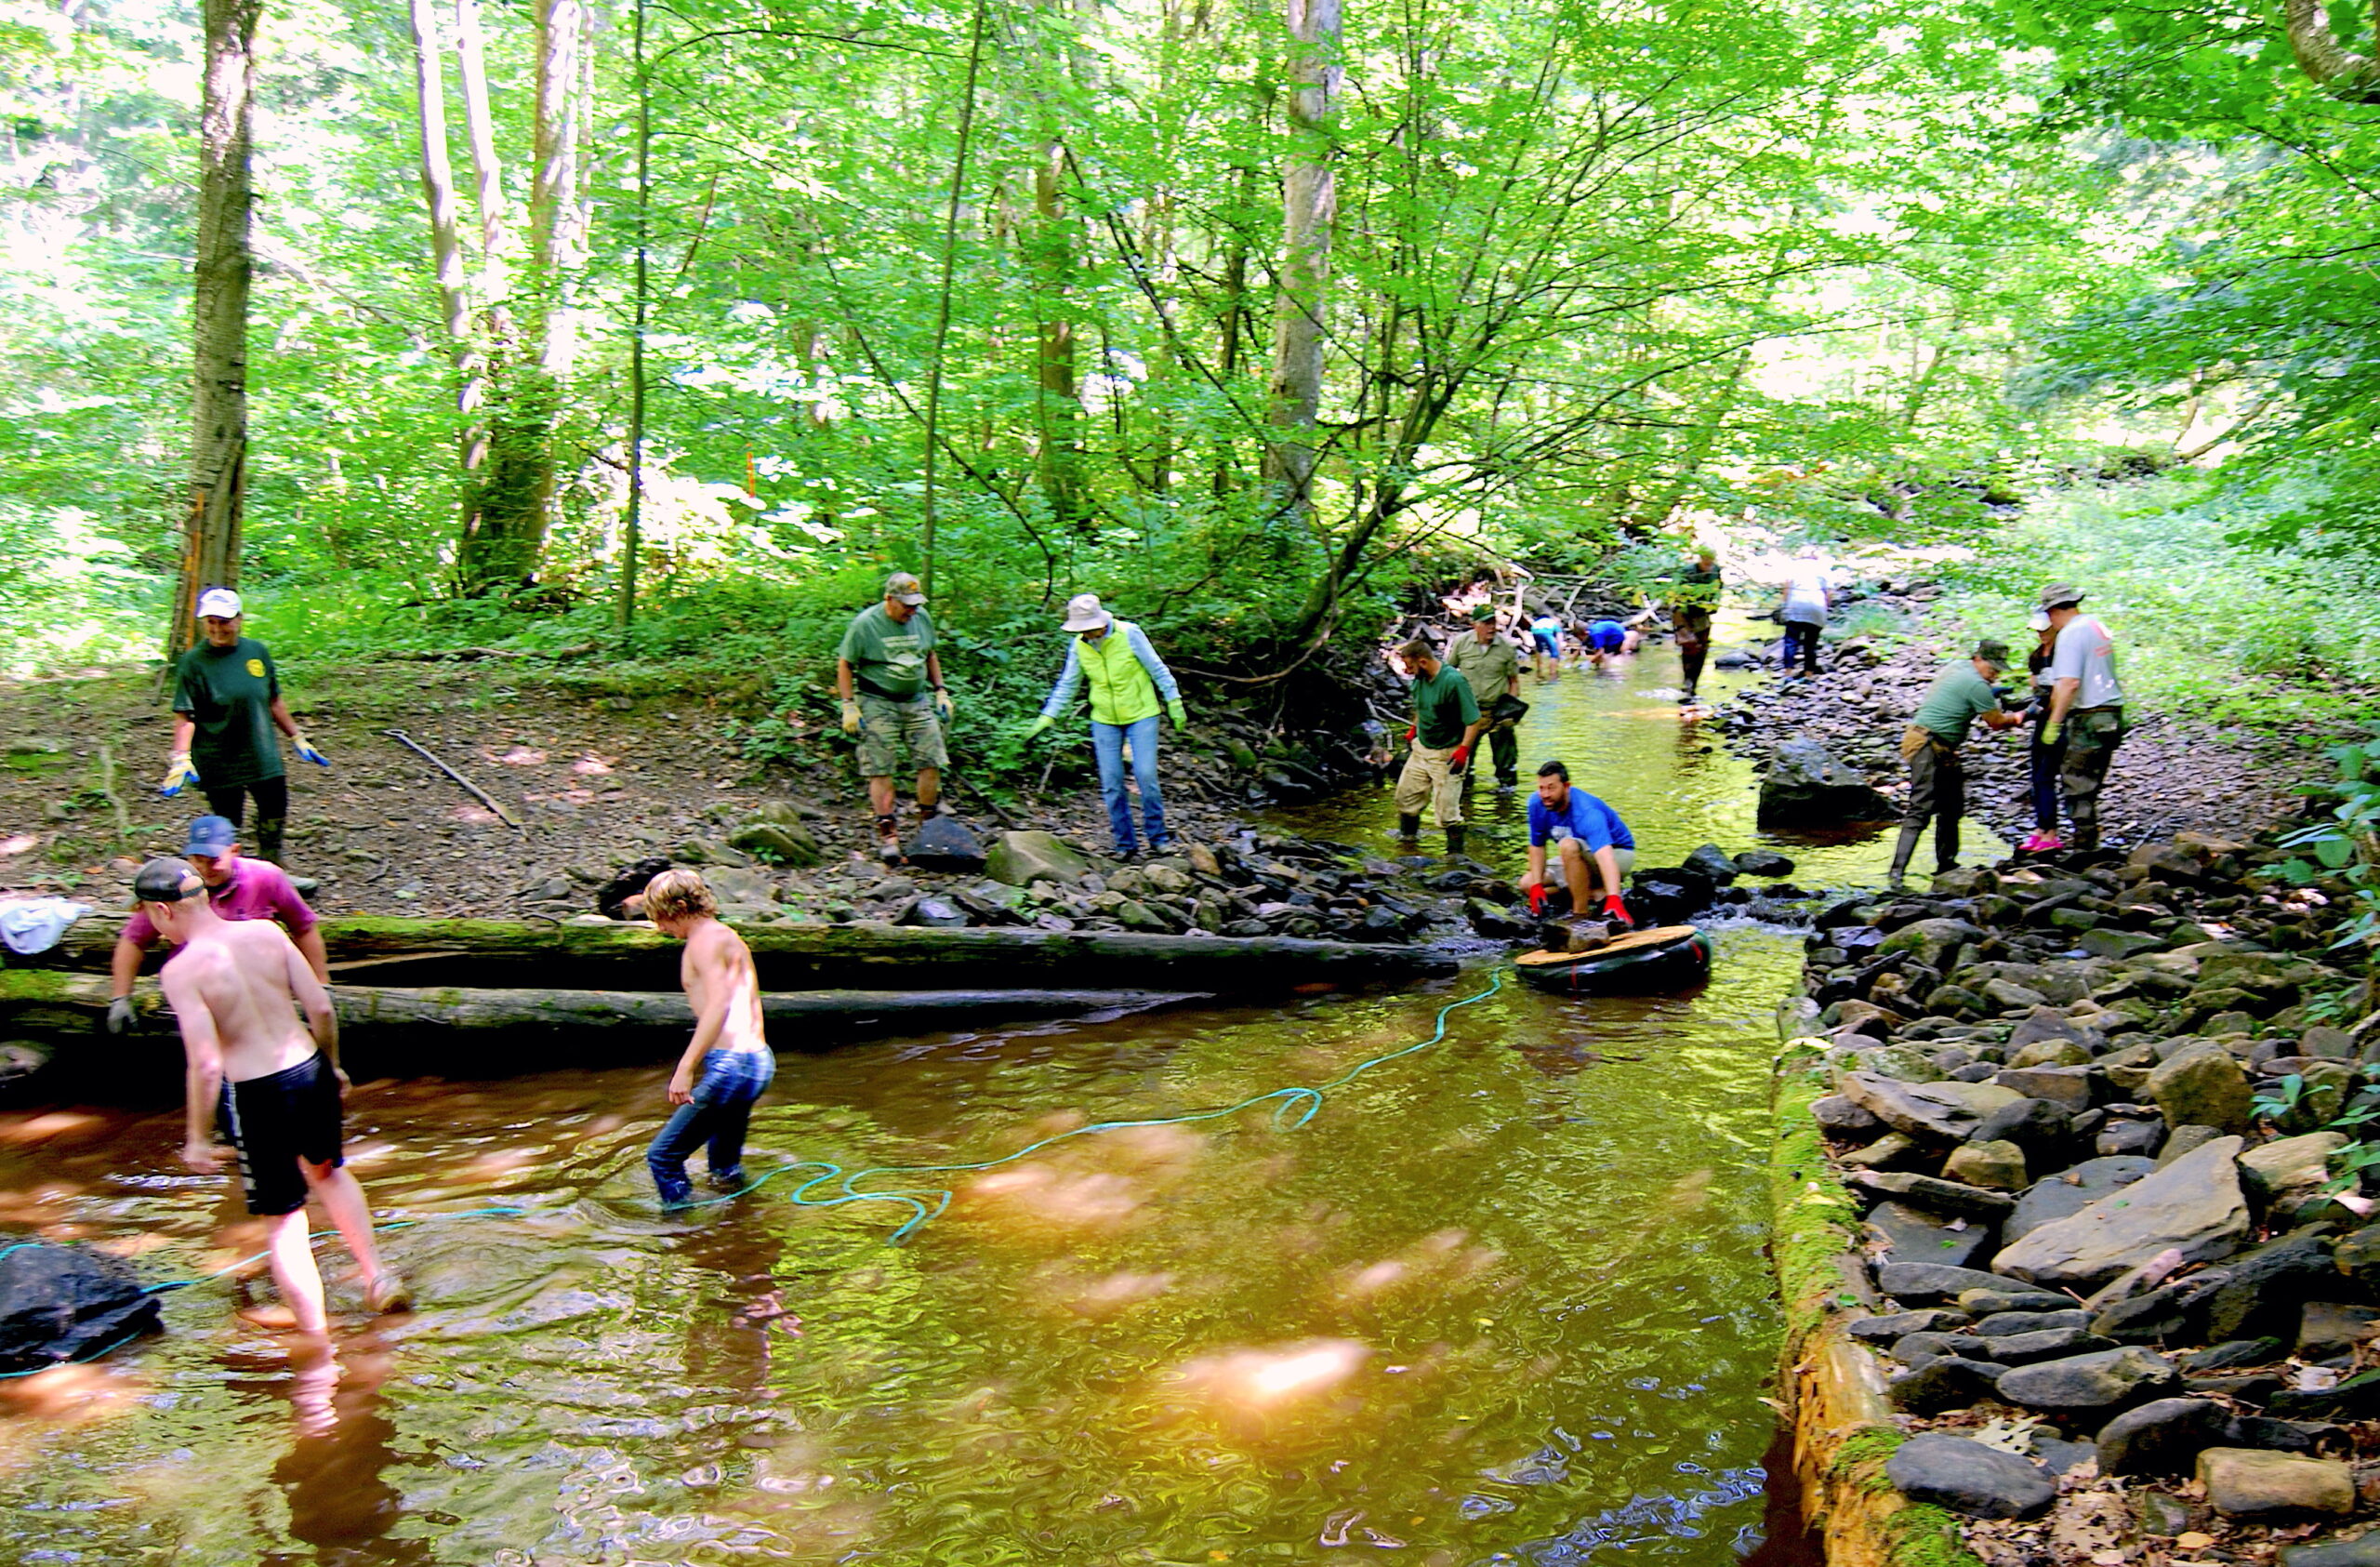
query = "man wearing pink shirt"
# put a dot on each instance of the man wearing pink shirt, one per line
(238, 889)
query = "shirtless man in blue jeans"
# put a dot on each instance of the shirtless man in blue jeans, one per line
(728, 1064)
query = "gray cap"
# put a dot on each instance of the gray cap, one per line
(904, 586)
(1993, 651)
(2059, 595)
(167, 881)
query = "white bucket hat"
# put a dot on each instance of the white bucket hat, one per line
(1083, 614)
(220, 602)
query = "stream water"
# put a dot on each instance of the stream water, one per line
(1503, 1300)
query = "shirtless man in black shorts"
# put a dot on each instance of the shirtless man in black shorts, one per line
(231, 986)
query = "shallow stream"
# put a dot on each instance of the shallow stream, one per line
(1502, 1300)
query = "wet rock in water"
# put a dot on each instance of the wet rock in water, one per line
(1495, 922)
(1714, 864)
(1908, 1234)
(1967, 1477)
(2193, 1206)
(2202, 1086)
(2102, 1379)
(2163, 1437)
(1763, 862)
(1018, 860)
(1947, 1381)
(1805, 786)
(2247, 1483)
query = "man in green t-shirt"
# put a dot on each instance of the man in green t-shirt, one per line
(227, 704)
(1446, 722)
(1693, 598)
(890, 679)
(1938, 779)
(1492, 667)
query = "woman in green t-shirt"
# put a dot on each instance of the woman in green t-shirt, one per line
(227, 704)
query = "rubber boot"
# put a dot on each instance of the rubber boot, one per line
(1408, 828)
(1946, 848)
(269, 833)
(1454, 841)
(1903, 852)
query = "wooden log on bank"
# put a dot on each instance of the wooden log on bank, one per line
(460, 1030)
(506, 954)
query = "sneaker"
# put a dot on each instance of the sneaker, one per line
(729, 1181)
(888, 849)
(387, 1292)
(2047, 842)
(1506, 786)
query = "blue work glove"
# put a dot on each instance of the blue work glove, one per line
(1180, 715)
(942, 704)
(305, 748)
(179, 774)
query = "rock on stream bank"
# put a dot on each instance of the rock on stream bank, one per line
(2073, 1222)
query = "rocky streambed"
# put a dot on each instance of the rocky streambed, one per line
(2072, 1219)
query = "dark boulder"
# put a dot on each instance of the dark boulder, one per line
(1805, 786)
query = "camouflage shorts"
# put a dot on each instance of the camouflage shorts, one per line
(887, 728)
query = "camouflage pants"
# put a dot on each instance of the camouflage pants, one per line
(2091, 742)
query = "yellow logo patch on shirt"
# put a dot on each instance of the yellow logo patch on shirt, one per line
(256, 668)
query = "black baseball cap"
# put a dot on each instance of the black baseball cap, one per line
(167, 881)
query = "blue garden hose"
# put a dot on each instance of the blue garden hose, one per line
(1295, 1107)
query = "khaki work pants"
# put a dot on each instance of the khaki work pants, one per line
(1426, 781)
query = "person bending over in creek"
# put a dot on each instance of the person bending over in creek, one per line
(728, 1064)
(1938, 779)
(277, 1087)
(240, 889)
(1594, 844)
(1606, 640)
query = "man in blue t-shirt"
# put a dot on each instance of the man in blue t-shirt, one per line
(1608, 639)
(1593, 844)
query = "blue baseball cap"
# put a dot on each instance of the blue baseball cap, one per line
(211, 836)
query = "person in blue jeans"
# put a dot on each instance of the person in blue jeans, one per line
(1127, 682)
(728, 1064)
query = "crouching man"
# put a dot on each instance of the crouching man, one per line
(1594, 849)
(278, 1087)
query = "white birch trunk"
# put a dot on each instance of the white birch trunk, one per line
(1309, 213)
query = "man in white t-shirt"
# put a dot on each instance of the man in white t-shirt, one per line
(2085, 706)
(1808, 599)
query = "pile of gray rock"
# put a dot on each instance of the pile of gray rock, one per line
(2106, 1128)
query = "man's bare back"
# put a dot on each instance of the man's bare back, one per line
(245, 976)
(716, 970)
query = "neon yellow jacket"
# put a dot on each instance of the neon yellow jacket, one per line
(1127, 678)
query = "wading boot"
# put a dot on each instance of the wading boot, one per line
(1408, 832)
(269, 835)
(1454, 841)
(1903, 852)
(888, 837)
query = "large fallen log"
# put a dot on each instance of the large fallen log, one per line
(506, 954)
(460, 1030)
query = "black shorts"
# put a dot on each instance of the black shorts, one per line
(275, 1122)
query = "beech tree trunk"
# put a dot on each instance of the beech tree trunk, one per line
(1309, 206)
(446, 234)
(222, 269)
(557, 219)
(1059, 411)
(2319, 55)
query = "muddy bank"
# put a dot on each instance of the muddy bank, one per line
(2070, 1168)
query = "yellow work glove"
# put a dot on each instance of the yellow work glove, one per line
(1180, 717)
(942, 704)
(2054, 731)
(177, 774)
(851, 717)
(1040, 724)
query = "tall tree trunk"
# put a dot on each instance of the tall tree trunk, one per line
(1309, 203)
(1059, 411)
(1235, 313)
(505, 495)
(557, 218)
(222, 269)
(446, 234)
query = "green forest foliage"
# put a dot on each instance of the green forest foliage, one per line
(1597, 272)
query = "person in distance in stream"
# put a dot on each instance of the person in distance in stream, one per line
(2042, 760)
(1129, 685)
(1491, 667)
(1594, 847)
(240, 889)
(1808, 599)
(1938, 779)
(883, 671)
(1606, 640)
(1446, 722)
(1546, 632)
(227, 704)
(2086, 706)
(728, 1063)
(276, 1087)
(1693, 601)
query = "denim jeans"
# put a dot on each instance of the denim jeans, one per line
(1804, 635)
(1108, 743)
(721, 1108)
(2045, 761)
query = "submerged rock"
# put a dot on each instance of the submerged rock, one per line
(1805, 786)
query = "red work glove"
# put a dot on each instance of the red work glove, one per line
(1460, 760)
(1615, 909)
(1411, 731)
(1537, 900)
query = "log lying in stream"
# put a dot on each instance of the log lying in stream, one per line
(467, 1031)
(504, 954)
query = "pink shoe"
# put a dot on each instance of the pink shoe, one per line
(2043, 843)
